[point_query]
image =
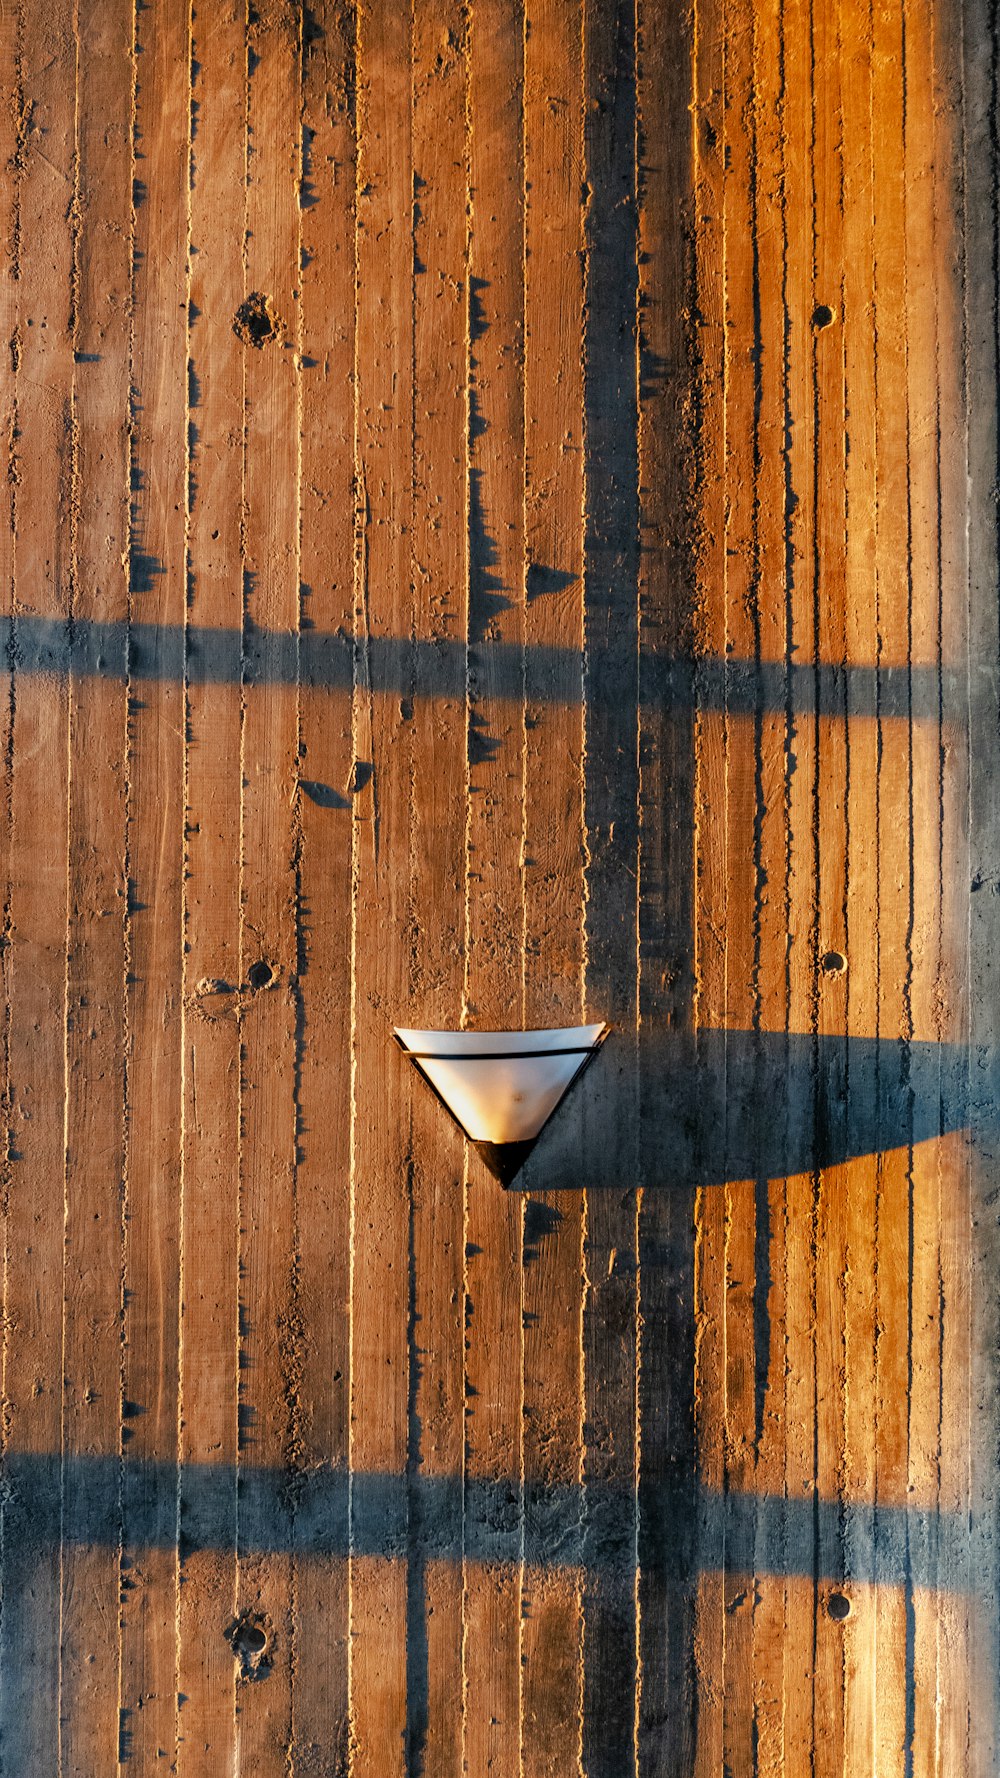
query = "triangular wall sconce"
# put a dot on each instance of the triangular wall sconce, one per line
(501, 1087)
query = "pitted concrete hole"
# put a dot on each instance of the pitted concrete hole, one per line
(838, 1607)
(255, 321)
(249, 1637)
(260, 974)
(834, 963)
(822, 317)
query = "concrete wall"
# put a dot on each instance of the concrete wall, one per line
(502, 530)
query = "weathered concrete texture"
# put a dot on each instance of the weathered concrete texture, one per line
(501, 528)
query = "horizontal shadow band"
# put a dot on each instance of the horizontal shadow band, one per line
(111, 1502)
(400, 666)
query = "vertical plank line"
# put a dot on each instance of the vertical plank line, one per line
(71, 603)
(845, 919)
(698, 986)
(521, 874)
(940, 965)
(893, 534)
(416, 1677)
(844, 912)
(761, 1234)
(814, 1012)
(467, 840)
(980, 248)
(186, 1071)
(241, 1183)
(586, 1280)
(940, 961)
(610, 1127)
(242, 891)
(495, 976)
(326, 604)
(860, 886)
(908, 977)
(670, 444)
(637, 763)
(359, 595)
(128, 812)
(551, 875)
(725, 596)
(817, 1230)
(296, 1334)
(12, 28)
(467, 662)
(953, 1720)
(878, 1232)
(522, 860)
(523, 849)
(962, 679)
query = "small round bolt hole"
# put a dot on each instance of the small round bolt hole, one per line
(838, 1607)
(259, 974)
(822, 317)
(834, 963)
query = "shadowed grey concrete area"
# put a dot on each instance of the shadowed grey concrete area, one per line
(326, 1513)
(439, 669)
(836, 1097)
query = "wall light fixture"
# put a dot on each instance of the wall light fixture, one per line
(501, 1087)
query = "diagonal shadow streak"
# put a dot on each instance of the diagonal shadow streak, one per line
(438, 669)
(841, 1097)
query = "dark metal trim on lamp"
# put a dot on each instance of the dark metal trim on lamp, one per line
(501, 1087)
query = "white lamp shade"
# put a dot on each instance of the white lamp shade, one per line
(502, 1086)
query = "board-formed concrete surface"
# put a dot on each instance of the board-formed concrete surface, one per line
(501, 530)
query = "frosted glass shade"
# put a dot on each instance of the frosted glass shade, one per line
(501, 1087)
